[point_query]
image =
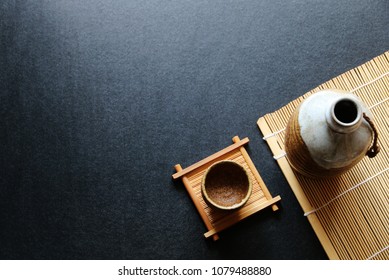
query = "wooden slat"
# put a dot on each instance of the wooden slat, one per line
(210, 158)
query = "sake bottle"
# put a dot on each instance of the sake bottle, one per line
(329, 133)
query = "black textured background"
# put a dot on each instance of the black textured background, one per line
(100, 99)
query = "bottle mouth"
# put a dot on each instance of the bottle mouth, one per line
(346, 112)
(345, 115)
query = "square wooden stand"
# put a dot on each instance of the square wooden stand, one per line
(217, 220)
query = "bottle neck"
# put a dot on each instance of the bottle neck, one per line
(344, 115)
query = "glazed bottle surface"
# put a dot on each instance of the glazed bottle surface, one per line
(328, 134)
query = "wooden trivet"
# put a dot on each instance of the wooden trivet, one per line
(218, 220)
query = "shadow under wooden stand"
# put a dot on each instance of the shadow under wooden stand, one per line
(217, 220)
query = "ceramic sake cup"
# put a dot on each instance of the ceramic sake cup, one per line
(226, 185)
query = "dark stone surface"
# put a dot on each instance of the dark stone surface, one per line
(100, 99)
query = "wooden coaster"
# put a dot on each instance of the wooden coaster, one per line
(217, 220)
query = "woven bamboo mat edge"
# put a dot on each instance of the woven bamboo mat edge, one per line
(276, 146)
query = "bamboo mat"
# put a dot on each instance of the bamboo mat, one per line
(349, 214)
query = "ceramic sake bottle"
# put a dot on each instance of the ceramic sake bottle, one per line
(329, 133)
